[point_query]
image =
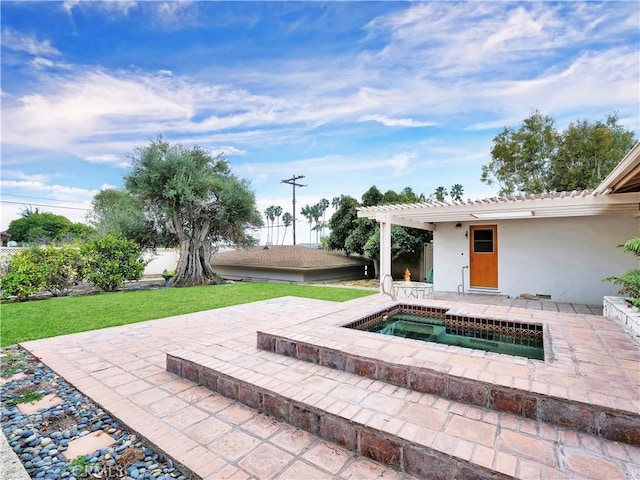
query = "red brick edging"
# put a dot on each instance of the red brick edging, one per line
(392, 450)
(591, 419)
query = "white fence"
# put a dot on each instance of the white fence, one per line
(163, 259)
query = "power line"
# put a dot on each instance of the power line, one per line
(36, 198)
(292, 181)
(45, 205)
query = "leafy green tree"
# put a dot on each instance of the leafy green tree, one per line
(111, 261)
(407, 195)
(80, 232)
(536, 158)
(390, 197)
(361, 236)
(43, 228)
(587, 152)
(342, 222)
(199, 199)
(119, 213)
(372, 197)
(404, 240)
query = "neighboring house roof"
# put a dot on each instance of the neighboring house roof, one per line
(285, 256)
(618, 194)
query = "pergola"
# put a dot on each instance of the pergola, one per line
(618, 194)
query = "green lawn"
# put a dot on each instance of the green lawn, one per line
(60, 316)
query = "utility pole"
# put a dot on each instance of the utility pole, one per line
(292, 181)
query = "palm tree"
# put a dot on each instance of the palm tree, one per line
(287, 218)
(270, 214)
(335, 202)
(316, 213)
(324, 205)
(307, 212)
(440, 193)
(456, 192)
(277, 211)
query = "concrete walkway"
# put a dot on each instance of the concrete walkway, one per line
(123, 369)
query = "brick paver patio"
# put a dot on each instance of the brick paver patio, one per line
(124, 370)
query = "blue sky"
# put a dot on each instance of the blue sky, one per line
(348, 94)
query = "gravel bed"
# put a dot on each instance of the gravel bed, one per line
(39, 439)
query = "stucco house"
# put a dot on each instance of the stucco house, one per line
(554, 245)
(289, 263)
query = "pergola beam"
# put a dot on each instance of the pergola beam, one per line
(405, 222)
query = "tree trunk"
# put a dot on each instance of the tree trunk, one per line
(194, 265)
(376, 268)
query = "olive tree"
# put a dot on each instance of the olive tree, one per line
(198, 199)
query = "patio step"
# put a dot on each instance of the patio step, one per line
(599, 420)
(418, 433)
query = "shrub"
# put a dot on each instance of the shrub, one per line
(111, 261)
(630, 282)
(55, 269)
(25, 274)
(63, 268)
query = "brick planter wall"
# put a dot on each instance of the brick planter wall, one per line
(618, 309)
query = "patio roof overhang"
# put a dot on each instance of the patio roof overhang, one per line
(617, 194)
(563, 204)
(625, 177)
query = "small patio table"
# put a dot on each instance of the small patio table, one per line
(413, 289)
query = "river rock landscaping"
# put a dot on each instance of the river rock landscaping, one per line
(41, 438)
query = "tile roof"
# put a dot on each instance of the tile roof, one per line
(286, 256)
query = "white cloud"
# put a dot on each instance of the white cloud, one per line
(175, 15)
(395, 122)
(109, 159)
(110, 7)
(478, 65)
(56, 192)
(399, 162)
(25, 43)
(453, 40)
(40, 62)
(70, 202)
(520, 25)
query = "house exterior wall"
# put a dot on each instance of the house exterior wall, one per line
(565, 258)
(284, 275)
(355, 272)
(258, 275)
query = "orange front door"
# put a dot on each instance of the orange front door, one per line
(483, 267)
